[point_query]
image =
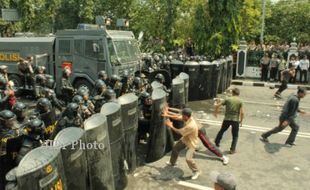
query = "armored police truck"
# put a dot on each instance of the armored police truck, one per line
(85, 51)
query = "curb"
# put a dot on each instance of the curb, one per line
(267, 84)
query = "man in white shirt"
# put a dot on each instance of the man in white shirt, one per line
(304, 67)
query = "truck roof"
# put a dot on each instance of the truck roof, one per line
(118, 34)
(28, 39)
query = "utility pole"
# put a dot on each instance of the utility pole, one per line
(263, 22)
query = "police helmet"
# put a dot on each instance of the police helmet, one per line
(19, 106)
(50, 83)
(43, 105)
(137, 81)
(66, 72)
(77, 99)
(115, 78)
(36, 128)
(156, 58)
(110, 94)
(160, 77)
(73, 109)
(6, 115)
(3, 69)
(102, 75)
(145, 95)
(83, 91)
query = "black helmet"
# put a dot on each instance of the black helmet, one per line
(110, 94)
(36, 129)
(146, 98)
(83, 91)
(115, 78)
(156, 58)
(20, 111)
(100, 86)
(40, 70)
(73, 109)
(137, 81)
(3, 83)
(50, 83)
(160, 77)
(40, 79)
(5, 116)
(43, 105)
(77, 99)
(145, 95)
(102, 75)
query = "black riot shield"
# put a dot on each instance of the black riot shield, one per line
(99, 161)
(49, 119)
(159, 133)
(192, 69)
(206, 71)
(222, 85)
(41, 169)
(216, 74)
(176, 67)
(129, 106)
(229, 71)
(166, 75)
(185, 77)
(72, 143)
(178, 98)
(112, 111)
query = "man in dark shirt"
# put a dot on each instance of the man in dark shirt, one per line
(285, 77)
(287, 117)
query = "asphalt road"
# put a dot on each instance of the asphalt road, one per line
(256, 165)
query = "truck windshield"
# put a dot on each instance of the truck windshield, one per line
(124, 51)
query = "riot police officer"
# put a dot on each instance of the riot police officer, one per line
(145, 115)
(7, 133)
(51, 95)
(83, 110)
(25, 69)
(72, 118)
(126, 83)
(19, 110)
(40, 84)
(67, 89)
(45, 111)
(99, 99)
(31, 139)
(161, 79)
(138, 86)
(110, 96)
(116, 85)
(82, 91)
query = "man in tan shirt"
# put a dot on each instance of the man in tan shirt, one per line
(189, 140)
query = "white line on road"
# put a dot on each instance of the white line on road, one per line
(271, 104)
(193, 186)
(254, 128)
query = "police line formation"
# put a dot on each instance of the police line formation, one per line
(91, 144)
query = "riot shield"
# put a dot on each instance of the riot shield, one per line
(71, 141)
(216, 74)
(178, 99)
(176, 67)
(185, 77)
(129, 106)
(222, 85)
(99, 161)
(192, 69)
(112, 111)
(229, 70)
(41, 169)
(156, 85)
(157, 145)
(166, 75)
(206, 71)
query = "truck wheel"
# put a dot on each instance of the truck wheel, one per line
(17, 81)
(83, 83)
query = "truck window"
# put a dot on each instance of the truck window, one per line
(93, 49)
(64, 47)
(78, 47)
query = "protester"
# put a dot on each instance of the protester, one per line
(189, 140)
(285, 77)
(287, 117)
(234, 115)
